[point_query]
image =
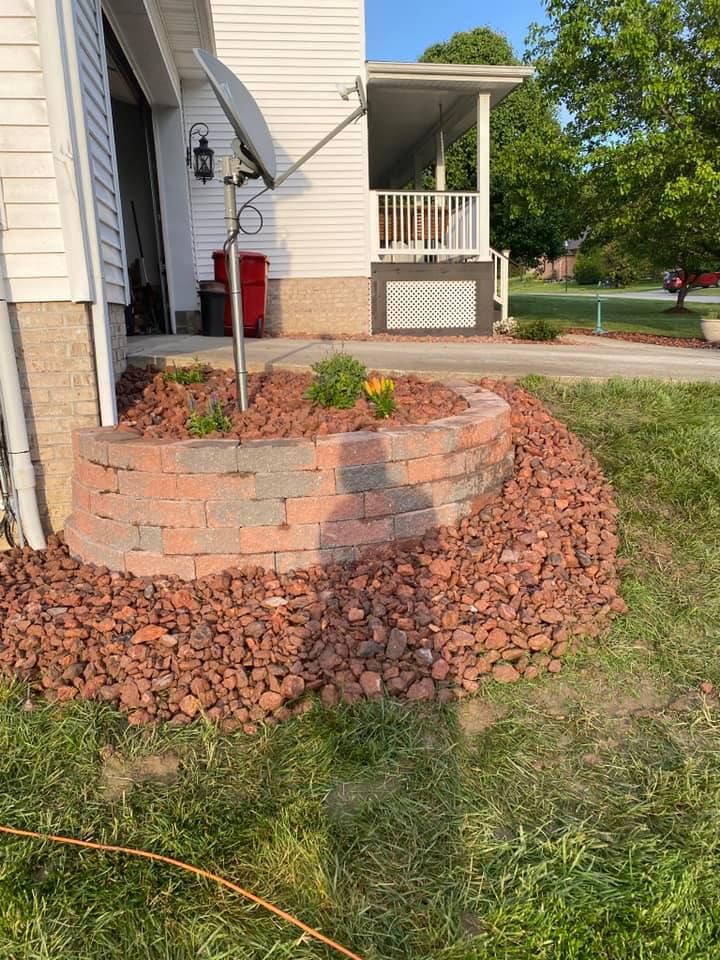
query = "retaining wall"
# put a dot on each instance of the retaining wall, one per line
(193, 507)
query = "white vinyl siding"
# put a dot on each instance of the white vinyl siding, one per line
(31, 241)
(99, 130)
(292, 55)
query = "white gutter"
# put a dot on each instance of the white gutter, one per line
(21, 468)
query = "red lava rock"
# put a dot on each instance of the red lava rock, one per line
(422, 690)
(440, 669)
(189, 705)
(508, 592)
(396, 645)
(157, 408)
(271, 701)
(441, 568)
(551, 616)
(292, 687)
(149, 633)
(658, 339)
(505, 673)
(371, 684)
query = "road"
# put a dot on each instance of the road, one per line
(577, 357)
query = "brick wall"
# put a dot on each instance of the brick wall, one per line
(118, 337)
(53, 346)
(193, 508)
(318, 305)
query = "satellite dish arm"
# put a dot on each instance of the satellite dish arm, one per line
(355, 115)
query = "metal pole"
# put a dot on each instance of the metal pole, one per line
(598, 315)
(235, 290)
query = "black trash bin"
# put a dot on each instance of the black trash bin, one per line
(212, 308)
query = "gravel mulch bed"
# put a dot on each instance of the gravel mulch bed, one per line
(662, 341)
(504, 596)
(157, 407)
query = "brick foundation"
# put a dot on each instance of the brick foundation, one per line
(318, 306)
(193, 508)
(53, 346)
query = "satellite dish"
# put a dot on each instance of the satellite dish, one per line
(256, 146)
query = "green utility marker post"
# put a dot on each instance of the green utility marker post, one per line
(599, 301)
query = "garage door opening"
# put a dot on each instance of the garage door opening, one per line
(147, 312)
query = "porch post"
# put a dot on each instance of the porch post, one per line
(483, 174)
(439, 161)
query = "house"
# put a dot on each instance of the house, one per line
(562, 267)
(97, 208)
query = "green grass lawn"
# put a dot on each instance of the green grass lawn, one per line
(639, 316)
(573, 819)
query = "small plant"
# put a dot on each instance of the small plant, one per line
(712, 314)
(380, 391)
(505, 328)
(212, 421)
(536, 330)
(186, 375)
(338, 382)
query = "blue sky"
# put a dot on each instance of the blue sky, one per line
(402, 29)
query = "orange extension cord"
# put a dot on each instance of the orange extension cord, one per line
(111, 848)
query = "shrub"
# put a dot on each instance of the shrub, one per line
(589, 266)
(380, 391)
(505, 328)
(536, 330)
(338, 381)
(186, 375)
(212, 421)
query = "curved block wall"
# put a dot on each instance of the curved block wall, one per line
(196, 507)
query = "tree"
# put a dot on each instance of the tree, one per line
(533, 176)
(641, 81)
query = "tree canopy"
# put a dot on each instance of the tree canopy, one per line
(532, 163)
(641, 81)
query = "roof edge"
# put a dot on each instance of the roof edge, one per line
(390, 69)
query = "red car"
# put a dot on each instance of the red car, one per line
(708, 278)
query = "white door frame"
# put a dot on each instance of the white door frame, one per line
(148, 53)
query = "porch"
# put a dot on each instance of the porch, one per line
(432, 264)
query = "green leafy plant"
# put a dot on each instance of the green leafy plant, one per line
(536, 330)
(380, 391)
(338, 381)
(212, 421)
(186, 375)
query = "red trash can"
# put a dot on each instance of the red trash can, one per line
(253, 283)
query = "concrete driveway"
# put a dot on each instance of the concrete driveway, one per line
(577, 357)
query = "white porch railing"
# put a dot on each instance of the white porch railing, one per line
(414, 225)
(501, 275)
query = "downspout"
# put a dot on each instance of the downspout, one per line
(21, 468)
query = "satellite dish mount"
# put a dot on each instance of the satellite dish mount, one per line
(253, 158)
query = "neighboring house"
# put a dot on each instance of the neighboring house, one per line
(97, 209)
(562, 267)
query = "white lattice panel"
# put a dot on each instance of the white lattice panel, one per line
(430, 304)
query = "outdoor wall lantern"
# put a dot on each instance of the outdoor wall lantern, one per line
(202, 156)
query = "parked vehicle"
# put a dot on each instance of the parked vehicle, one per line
(708, 278)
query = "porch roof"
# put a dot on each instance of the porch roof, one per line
(409, 102)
